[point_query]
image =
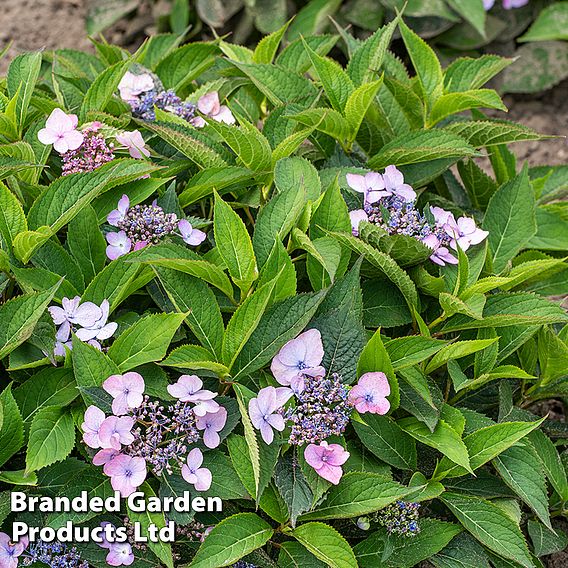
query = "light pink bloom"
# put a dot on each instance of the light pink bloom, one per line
(104, 456)
(10, 551)
(192, 472)
(369, 394)
(190, 235)
(117, 215)
(94, 417)
(127, 391)
(371, 185)
(100, 330)
(62, 339)
(464, 232)
(509, 4)
(105, 543)
(115, 432)
(488, 4)
(327, 460)
(72, 311)
(298, 357)
(394, 184)
(356, 217)
(135, 144)
(118, 245)
(188, 389)
(210, 106)
(441, 255)
(132, 85)
(263, 411)
(212, 424)
(120, 554)
(126, 473)
(61, 131)
(441, 216)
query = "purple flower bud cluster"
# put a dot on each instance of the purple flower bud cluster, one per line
(322, 410)
(53, 554)
(144, 107)
(243, 564)
(400, 517)
(92, 154)
(163, 434)
(194, 530)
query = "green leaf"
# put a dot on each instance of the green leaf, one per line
(294, 555)
(425, 63)
(421, 146)
(516, 466)
(465, 73)
(472, 11)
(485, 444)
(194, 357)
(463, 552)
(12, 427)
(552, 23)
(279, 265)
(231, 539)
(52, 437)
(457, 350)
(375, 357)
(357, 105)
(546, 541)
(551, 462)
(292, 486)
(491, 526)
(331, 213)
(384, 438)
(453, 103)
(326, 120)
(487, 133)
(145, 341)
(234, 245)
(358, 493)
(102, 88)
(12, 218)
(313, 18)
(327, 544)
(294, 171)
(20, 316)
(267, 47)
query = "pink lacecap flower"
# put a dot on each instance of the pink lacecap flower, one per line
(509, 4)
(188, 388)
(62, 339)
(118, 245)
(441, 216)
(210, 106)
(369, 394)
(115, 432)
(356, 217)
(120, 553)
(93, 419)
(72, 311)
(135, 144)
(126, 473)
(441, 255)
(117, 215)
(263, 411)
(126, 390)
(298, 357)
(394, 184)
(10, 551)
(190, 235)
(192, 472)
(212, 424)
(371, 185)
(327, 460)
(61, 131)
(132, 85)
(100, 330)
(104, 456)
(464, 232)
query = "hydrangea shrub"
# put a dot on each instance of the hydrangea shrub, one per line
(262, 276)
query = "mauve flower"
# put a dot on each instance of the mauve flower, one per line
(263, 411)
(509, 4)
(356, 217)
(212, 424)
(441, 254)
(210, 106)
(394, 184)
(371, 185)
(132, 85)
(464, 232)
(104, 456)
(62, 339)
(120, 554)
(327, 460)
(369, 394)
(126, 473)
(135, 144)
(100, 330)
(188, 389)
(126, 390)
(192, 472)
(190, 235)
(118, 245)
(93, 419)
(441, 216)
(61, 131)
(10, 551)
(300, 356)
(115, 432)
(72, 311)
(117, 215)
(488, 4)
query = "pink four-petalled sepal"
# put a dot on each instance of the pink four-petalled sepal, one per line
(370, 394)
(61, 131)
(263, 411)
(126, 390)
(327, 460)
(193, 473)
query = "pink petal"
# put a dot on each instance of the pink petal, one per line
(209, 103)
